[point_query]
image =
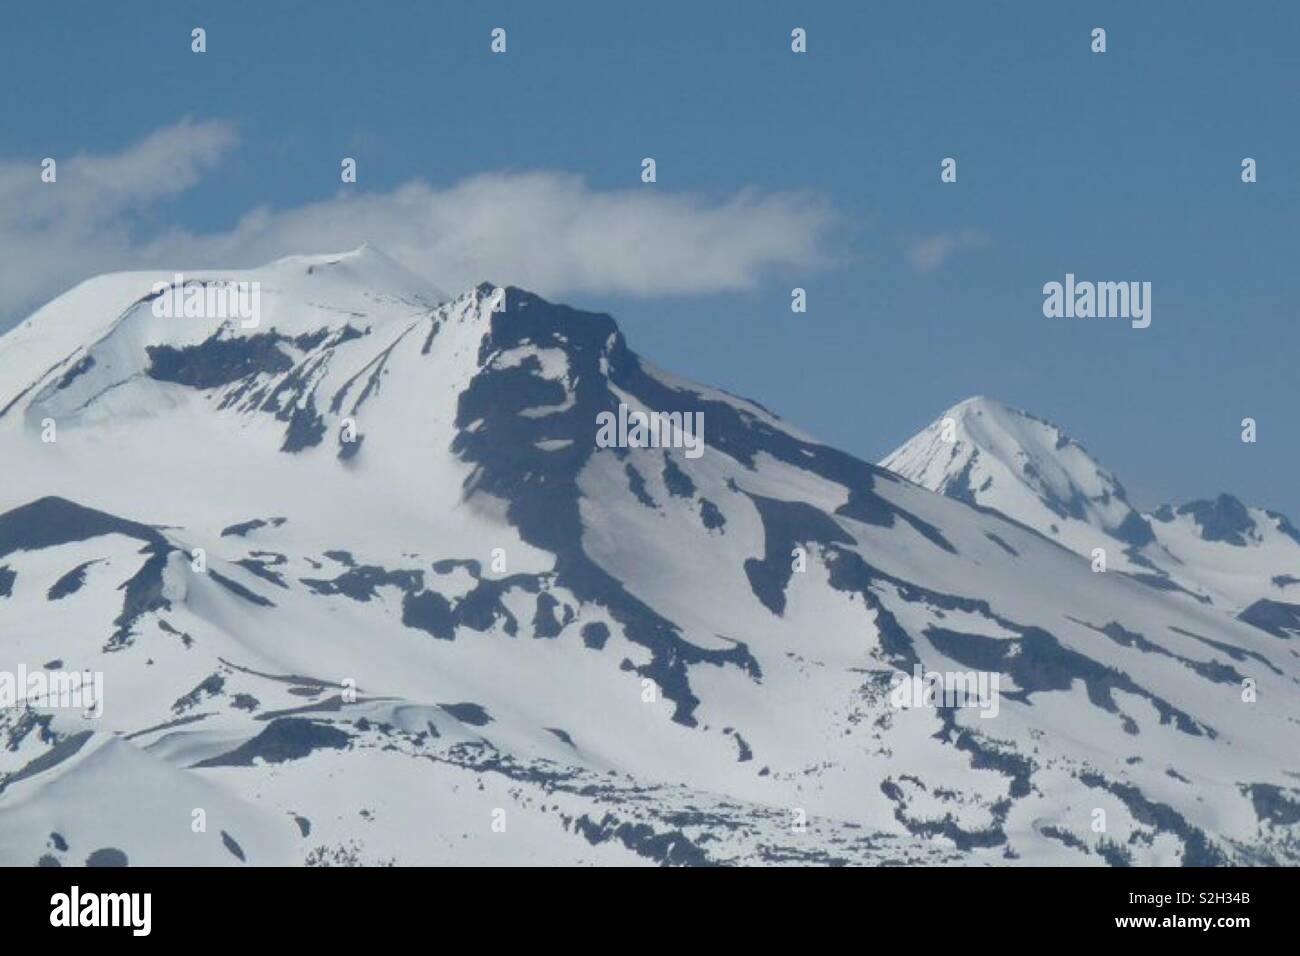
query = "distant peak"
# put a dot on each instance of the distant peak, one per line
(367, 265)
(978, 402)
(984, 451)
(984, 405)
(368, 252)
(365, 252)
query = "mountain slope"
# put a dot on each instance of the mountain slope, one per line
(364, 587)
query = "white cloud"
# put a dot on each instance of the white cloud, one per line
(54, 234)
(929, 253)
(545, 231)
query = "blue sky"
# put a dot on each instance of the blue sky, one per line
(821, 169)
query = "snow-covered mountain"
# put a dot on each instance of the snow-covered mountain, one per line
(987, 453)
(363, 586)
(1242, 560)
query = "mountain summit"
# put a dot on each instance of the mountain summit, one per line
(359, 582)
(991, 454)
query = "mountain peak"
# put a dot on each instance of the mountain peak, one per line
(367, 266)
(997, 414)
(986, 452)
(977, 403)
(113, 320)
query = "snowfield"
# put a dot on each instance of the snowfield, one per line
(364, 589)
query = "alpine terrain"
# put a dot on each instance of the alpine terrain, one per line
(361, 586)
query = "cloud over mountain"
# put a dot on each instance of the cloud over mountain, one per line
(546, 230)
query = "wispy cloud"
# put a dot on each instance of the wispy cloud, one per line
(929, 253)
(547, 231)
(53, 234)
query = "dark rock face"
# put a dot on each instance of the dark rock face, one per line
(218, 361)
(51, 521)
(234, 587)
(637, 483)
(1275, 805)
(595, 635)
(786, 524)
(143, 594)
(430, 611)
(286, 738)
(1135, 530)
(306, 429)
(209, 687)
(545, 622)
(468, 713)
(1037, 662)
(1210, 670)
(84, 365)
(668, 849)
(360, 582)
(1223, 519)
(1276, 617)
(1198, 850)
(677, 481)
(1285, 526)
(235, 849)
(70, 583)
(250, 363)
(107, 856)
(262, 569)
(710, 516)
(244, 527)
(542, 486)
(542, 491)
